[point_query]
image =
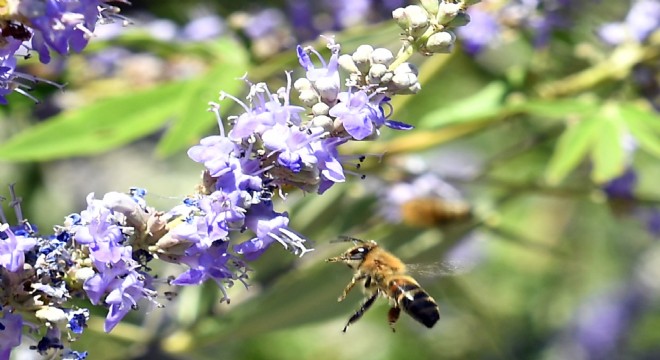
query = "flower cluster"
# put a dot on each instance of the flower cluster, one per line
(103, 252)
(491, 19)
(59, 26)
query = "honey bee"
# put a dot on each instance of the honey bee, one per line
(429, 212)
(385, 275)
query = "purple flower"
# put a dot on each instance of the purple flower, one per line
(63, 26)
(269, 226)
(206, 27)
(482, 31)
(124, 297)
(264, 23)
(642, 20)
(623, 186)
(13, 248)
(11, 331)
(326, 78)
(357, 114)
(7, 68)
(99, 230)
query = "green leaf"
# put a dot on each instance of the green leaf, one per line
(485, 104)
(96, 128)
(608, 154)
(644, 125)
(556, 108)
(573, 146)
(193, 118)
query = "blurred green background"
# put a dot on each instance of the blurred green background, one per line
(556, 267)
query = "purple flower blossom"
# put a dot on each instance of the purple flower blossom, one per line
(269, 226)
(623, 186)
(482, 31)
(357, 114)
(63, 26)
(99, 230)
(13, 248)
(11, 331)
(124, 297)
(642, 20)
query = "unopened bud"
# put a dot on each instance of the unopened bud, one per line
(346, 62)
(362, 58)
(376, 73)
(324, 122)
(382, 56)
(320, 109)
(441, 42)
(419, 20)
(447, 12)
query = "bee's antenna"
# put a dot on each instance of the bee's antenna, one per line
(344, 238)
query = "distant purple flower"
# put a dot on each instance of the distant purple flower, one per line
(204, 28)
(623, 186)
(642, 20)
(11, 331)
(349, 12)
(602, 321)
(653, 222)
(482, 31)
(264, 22)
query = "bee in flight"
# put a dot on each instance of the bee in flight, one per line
(385, 275)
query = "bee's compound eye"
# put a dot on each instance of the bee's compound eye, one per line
(358, 253)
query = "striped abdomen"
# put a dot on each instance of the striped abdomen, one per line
(414, 301)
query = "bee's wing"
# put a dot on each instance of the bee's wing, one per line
(440, 268)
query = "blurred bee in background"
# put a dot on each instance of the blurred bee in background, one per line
(423, 201)
(385, 275)
(433, 211)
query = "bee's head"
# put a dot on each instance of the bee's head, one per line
(354, 256)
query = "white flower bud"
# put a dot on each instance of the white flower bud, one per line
(84, 273)
(441, 42)
(51, 314)
(346, 62)
(362, 58)
(324, 122)
(382, 56)
(376, 73)
(404, 80)
(302, 84)
(399, 15)
(320, 109)
(447, 12)
(406, 67)
(309, 97)
(419, 20)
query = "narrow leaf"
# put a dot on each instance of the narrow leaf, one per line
(96, 128)
(608, 154)
(573, 146)
(644, 125)
(485, 104)
(193, 119)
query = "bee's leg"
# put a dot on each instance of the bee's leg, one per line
(357, 277)
(393, 316)
(358, 314)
